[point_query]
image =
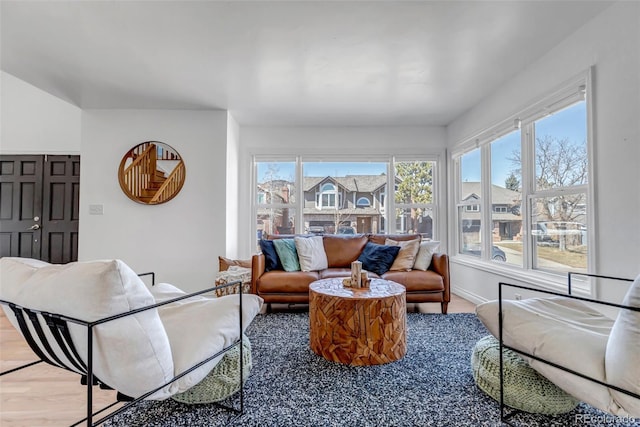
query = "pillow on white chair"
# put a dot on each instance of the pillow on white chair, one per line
(199, 327)
(622, 360)
(558, 330)
(131, 354)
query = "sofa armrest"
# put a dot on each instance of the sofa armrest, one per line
(440, 265)
(257, 270)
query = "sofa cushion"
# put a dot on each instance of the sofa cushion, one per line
(425, 253)
(343, 250)
(407, 255)
(311, 253)
(286, 249)
(622, 359)
(416, 280)
(378, 258)
(271, 258)
(286, 282)
(91, 291)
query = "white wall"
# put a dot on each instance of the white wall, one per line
(611, 43)
(364, 142)
(233, 193)
(179, 240)
(35, 122)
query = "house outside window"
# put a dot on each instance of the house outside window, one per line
(534, 172)
(329, 198)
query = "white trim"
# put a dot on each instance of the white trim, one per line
(564, 94)
(469, 296)
(535, 278)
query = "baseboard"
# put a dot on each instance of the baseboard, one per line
(469, 296)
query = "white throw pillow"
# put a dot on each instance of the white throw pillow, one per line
(311, 254)
(426, 251)
(622, 359)
(131, 354)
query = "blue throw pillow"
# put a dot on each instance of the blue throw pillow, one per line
(378, 258)
(288, 254)
(271, 259)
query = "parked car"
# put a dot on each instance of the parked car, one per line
(497, 254)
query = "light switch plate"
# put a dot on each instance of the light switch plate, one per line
(96, 209)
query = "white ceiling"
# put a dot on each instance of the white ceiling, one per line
(293, 63)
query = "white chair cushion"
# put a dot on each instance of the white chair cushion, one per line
(199, 327)
(564, 331)
(131, 354)
(622, 360)
(311, 253)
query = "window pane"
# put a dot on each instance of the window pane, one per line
(276, 182)
(561, 148)
(469, 232)
(414, 182)
(506, 197)
(331, 194)
(470, 177)
(275, 221)
(415, 220)
(559, 233)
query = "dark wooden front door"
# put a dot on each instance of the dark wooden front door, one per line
(39, 203)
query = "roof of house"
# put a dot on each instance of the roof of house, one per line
(359, 183)
(499, 195)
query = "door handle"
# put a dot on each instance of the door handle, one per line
(35, 227)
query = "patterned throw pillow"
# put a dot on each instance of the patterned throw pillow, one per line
(378, 258)
(286, 249)
(271, 258)
(407, 255)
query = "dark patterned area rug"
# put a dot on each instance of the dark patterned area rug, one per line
(291, 386)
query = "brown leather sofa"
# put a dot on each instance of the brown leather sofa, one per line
(279, 286)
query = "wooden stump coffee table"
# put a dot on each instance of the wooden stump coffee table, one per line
(366, 326)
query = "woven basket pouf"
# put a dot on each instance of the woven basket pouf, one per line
(223, 380)
(524, 388)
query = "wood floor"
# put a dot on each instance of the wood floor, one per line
(42, 395)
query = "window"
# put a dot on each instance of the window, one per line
(363, 202)
(414, 197)
(275, 211)
(328, 197)
(506, 198)
(560, 195)
(470, 193)
(344, 197)
(535, 172)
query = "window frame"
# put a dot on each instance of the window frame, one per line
(578, 88)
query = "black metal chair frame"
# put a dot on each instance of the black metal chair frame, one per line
(505, 411)
(59, 329)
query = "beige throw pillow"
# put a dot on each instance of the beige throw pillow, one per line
(423, 259)
(407, 255)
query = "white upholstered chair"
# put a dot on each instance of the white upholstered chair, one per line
(592, 357)
(100, 320)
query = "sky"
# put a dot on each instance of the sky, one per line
(570, 122)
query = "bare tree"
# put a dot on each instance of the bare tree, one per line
(560, 163)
